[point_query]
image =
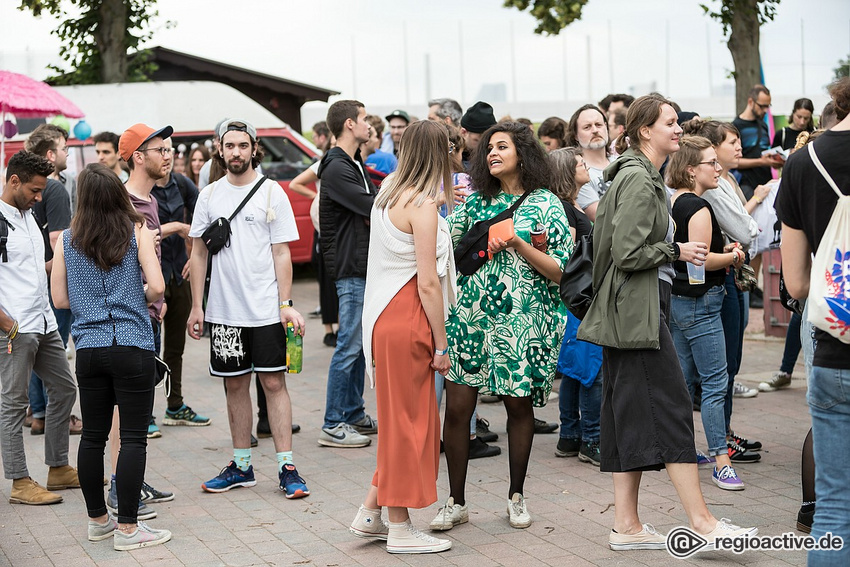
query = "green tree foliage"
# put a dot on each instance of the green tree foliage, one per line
(552, 15)
(98, 37)
(843, 69)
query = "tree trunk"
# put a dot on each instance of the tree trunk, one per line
(744, 45)
(109, 37)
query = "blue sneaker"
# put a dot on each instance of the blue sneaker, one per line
(153, 430)
(727, 479)
(185, 416)
(703, 460)
(230, 476)
(291, 484)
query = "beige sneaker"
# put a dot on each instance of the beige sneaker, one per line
(518, 512)
(60, 478)
(404, 538)
(647, 538)
(28, 491)
(368, 524)
(778, 381)
(449, 516)
(725, 528)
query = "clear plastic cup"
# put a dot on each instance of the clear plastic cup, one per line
(696, 274)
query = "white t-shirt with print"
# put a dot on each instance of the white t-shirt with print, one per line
(243, 287)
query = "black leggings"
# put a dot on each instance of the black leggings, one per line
(107, 376)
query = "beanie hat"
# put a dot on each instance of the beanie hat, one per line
(478, 118)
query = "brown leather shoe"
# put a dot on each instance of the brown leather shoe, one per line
(37, 426)
(60, 478)
(28, 418)
(75, 426)
(28, 491)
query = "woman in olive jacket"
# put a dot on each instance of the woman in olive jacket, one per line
(647, 421)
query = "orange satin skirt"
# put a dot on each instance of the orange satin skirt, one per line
(409, 434)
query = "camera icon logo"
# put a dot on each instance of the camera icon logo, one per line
(683, 542)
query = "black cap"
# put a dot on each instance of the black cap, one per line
(478, 118)
(398, 114)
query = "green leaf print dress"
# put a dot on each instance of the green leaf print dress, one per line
(506, 330)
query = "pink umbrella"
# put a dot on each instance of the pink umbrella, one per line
(27, 98)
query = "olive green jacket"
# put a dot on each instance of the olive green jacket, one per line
(628, 247)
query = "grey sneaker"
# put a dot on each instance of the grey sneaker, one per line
(145, 511)
(342, 435)
(99, 532)
(368, 524)
(366, 426)
(741, 391)
(778, 381)
(143, 536)
(449, 516)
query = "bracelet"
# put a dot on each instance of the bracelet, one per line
(439, 352)
(13, 332)
(286, 304)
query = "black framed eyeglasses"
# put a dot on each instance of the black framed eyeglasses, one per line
(163, 151)
(763, 106)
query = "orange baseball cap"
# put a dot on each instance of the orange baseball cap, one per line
(136, 135)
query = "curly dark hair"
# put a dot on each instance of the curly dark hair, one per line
(531, 159)
(27, 165)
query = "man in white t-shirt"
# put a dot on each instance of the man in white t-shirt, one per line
(249, 302)
(588, 130)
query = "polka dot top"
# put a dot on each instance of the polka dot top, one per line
(109, 307)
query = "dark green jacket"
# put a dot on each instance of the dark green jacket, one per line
(628, 247)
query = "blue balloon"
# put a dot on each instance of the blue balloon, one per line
(82, 130)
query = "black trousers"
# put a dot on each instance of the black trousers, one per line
(178, 296)
(108, 376)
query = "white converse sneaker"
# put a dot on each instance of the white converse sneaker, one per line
(404, 538)
(368, 524)
(518, 512)
(449, 516)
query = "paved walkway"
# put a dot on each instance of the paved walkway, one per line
(571, 502)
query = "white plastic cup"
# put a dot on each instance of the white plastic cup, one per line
(696, 274)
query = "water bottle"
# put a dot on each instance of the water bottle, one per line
(294, 350)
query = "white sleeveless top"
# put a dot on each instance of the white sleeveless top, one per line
(392, 263)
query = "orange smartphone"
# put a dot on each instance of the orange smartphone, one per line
(502, 229)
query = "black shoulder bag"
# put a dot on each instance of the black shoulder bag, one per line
(217, 234)
(577, 278)
(471, 251)
(5, 225)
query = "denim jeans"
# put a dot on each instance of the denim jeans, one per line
(439, 386)
(344, 402)
(829, 404)
(108, 376)
(580, 407)
(734, 316)
(701, 345)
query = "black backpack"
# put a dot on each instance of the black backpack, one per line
(5, 225)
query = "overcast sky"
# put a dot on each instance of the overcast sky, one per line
(380, 51)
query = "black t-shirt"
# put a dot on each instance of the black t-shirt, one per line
(55, 206)
(806, 202)
(686, 206)
(754, 140)
(577, 219)
(786, 138)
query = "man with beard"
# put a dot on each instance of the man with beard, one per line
(588, 130)
(249, 303)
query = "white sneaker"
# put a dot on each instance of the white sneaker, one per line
(741, 391)
(368, 524)
(143, 536)
(449, 516)
(518, 512)
(342, 435)
(404, 538)
(725, 528)
(646, 538)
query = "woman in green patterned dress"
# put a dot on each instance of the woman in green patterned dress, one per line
(505, 332)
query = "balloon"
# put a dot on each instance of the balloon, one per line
(9, 129)
(62, 122)
(82, 130)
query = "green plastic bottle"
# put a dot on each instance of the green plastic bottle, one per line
(294, 350)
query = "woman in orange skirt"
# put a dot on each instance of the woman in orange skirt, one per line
(410, 283)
